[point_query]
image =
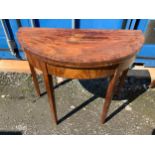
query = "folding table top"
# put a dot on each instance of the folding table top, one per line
(81, 48)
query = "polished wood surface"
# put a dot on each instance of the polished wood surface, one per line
(50, 91)
(79, 73)
(34, 77)
(109, 94)
(80, 54)
(81, 48)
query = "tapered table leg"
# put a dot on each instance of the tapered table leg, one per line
(50, 92)
(109, 95)
(35, 81)
(121, 81)
(122, 78)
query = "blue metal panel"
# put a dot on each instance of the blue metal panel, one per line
(128, 24)
(101, 23)
(143, 23)
(55, 23)
(8, 55)
(132, 25)
(146, 62)
(150, 63)
(25, 23)
(14, 27)
(148, 50)
(3, 43)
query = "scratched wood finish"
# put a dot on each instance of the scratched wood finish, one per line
(34, 77)
(109, 94)
(81, 48)
(50, 91)
(79, 73)
(80, 54)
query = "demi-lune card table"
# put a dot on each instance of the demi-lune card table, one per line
(80, 54)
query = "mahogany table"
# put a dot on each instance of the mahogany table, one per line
(80, 54)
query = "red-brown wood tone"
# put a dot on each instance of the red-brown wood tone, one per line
(34, 77)
(121, 81)
(50, 91)
(81, 48)
(109, 94)
(80, 54)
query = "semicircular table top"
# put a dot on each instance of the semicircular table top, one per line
(81, 48)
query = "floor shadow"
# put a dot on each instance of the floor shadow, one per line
(62, 83)
(77, 109)
(153, 132)
(56, 86)
(136, 83)
(42, 94)
(11, 133)
(119, 109)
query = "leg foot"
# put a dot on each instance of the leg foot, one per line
(35, 81)
(109, 94)
(50, 92)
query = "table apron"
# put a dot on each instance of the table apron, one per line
(79, 73)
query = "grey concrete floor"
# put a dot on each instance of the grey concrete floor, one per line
(79, 105)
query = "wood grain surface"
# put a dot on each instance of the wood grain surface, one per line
(80, 54)
(78, 48)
